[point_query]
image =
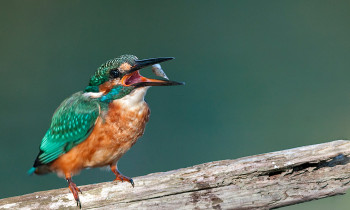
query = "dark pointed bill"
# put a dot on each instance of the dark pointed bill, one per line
(139, 64)
(133, 78)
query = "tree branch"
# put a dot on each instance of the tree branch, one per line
(257, 182)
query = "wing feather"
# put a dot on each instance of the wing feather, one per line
(71, 124)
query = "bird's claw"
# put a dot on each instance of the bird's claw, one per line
(120, 176)
(75, 190)
(79, 204)
(123, 178)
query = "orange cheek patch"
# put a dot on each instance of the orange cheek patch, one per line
(107, 86)
(125, 67)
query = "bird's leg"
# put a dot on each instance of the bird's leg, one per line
(74, 189)
(119, 176)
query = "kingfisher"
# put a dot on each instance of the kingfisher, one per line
(97, 126)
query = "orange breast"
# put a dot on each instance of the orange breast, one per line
(112, 136)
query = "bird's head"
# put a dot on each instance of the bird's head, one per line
(123, 72)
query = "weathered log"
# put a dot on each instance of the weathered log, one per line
(257, 182)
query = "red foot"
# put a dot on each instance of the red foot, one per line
(121, 177)
(74, 189)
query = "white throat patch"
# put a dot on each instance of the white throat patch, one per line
(135, 98)
(93, 95)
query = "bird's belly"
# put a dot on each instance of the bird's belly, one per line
(112, 136)
(115, 135)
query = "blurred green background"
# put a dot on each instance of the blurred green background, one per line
(260, 76)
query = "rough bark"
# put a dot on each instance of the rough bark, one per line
(263, 181)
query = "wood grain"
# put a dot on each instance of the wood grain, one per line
(263, 181)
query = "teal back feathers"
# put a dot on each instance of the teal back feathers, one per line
(75, 118)
(72, 122)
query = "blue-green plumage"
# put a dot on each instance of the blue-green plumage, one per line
(102, 74)
(75, 119)
(31, 171)
(115, 93)
(72, 122)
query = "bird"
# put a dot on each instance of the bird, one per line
(97, 126)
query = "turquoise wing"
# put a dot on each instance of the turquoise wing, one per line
(71, 124)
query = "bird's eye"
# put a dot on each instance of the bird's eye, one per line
(114, 73)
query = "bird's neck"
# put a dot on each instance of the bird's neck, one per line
(135, 98)
(115, 93)
(129, 97)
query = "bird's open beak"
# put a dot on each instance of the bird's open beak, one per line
(133, 77)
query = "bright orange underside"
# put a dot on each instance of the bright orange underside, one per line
(108, 141)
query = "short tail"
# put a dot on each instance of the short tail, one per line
(31, 171)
